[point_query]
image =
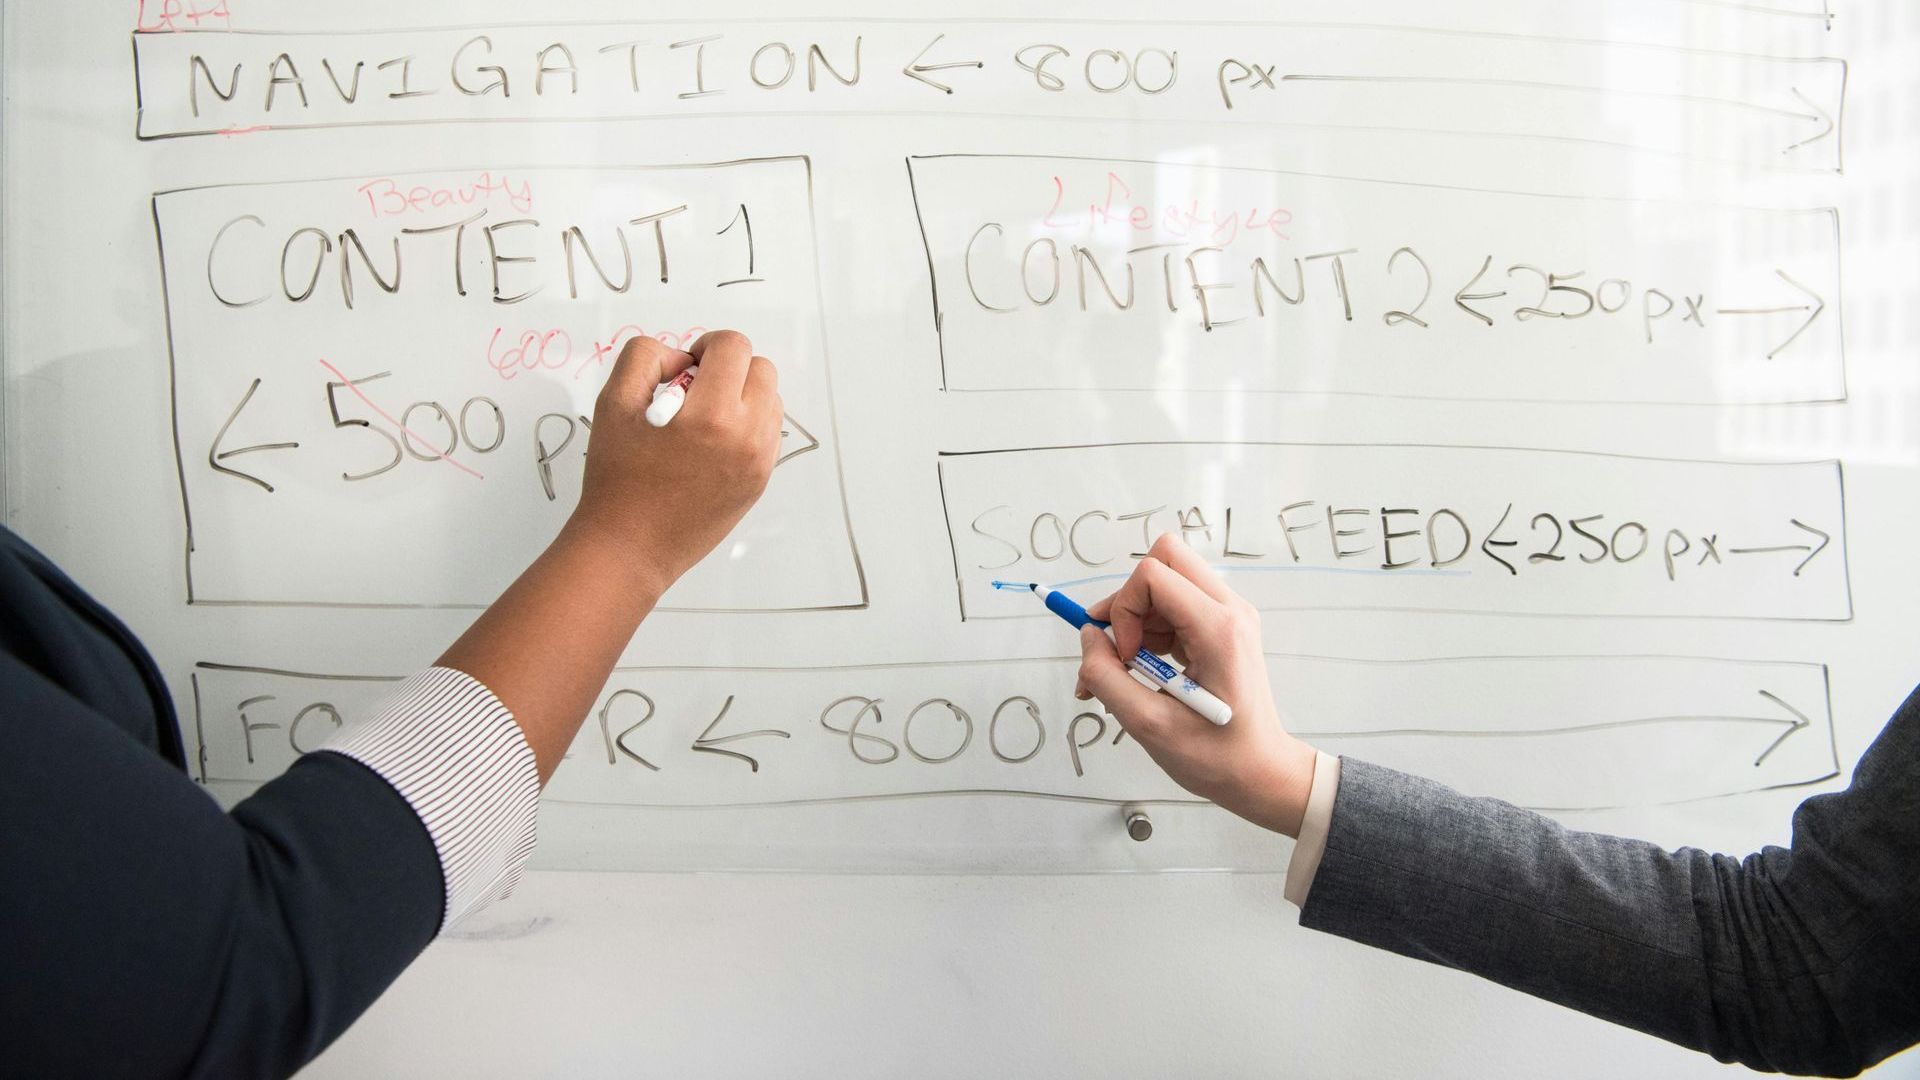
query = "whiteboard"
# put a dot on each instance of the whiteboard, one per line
(1540, 369)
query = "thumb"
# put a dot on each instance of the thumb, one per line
(1101, 672)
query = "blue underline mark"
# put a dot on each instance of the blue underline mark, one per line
(1232, 569)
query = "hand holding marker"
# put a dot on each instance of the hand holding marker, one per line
(669, 396)
(1162, 675)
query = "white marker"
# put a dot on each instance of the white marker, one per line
(669, 396)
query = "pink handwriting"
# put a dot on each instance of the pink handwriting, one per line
(1191, 221)
(387, 197)
(555, 350)
(172, 16)
(389, 418)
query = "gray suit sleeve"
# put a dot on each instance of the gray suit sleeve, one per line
(1803, 959)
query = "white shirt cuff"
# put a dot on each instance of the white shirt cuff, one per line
(455, 753)
(1312, 843)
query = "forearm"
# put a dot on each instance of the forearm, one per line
(1475, 884)
(548, 645)
(1702, 950)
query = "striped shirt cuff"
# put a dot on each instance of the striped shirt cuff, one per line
(455, 753)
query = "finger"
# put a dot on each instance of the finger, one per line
(724, 356)
(1155, 635)
(1154, 592)
(1138, 709)
(763, 382)
(643, 364)
(1183, 560)
(1159, 640)
(1103, 611)
(776, 428)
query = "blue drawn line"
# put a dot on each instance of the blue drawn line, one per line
(1231, 569)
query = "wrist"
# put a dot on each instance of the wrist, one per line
(622, 557)
(1284, 786)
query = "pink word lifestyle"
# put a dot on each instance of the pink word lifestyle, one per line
(1191, 221)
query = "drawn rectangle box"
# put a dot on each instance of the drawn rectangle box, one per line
(1405, 89)
(1487, 530)
(383, 386)
(1548, 732)
(1164, 276)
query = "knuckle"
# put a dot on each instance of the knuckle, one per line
(704, 425)
(1142, 724)
(729, 339)
(638, 348)
(610, 401)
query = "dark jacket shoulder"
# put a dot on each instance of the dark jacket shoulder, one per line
(59, 632)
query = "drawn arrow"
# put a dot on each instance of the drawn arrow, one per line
(1817, 116)
(1814, 309)
(1821, 115)
(793, 428)
(917, 71)
(1811, 550)
(1460, 298)
(215, 455)
(705, 745)
(1799, 721)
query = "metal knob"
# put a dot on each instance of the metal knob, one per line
(1139, 826)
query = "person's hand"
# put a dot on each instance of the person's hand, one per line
(666, 496)
(1174, 603)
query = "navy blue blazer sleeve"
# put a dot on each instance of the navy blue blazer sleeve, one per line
(146, 933)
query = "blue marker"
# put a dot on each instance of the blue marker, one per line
(1148, 665)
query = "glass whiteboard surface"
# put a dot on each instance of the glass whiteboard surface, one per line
(1540, 370)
